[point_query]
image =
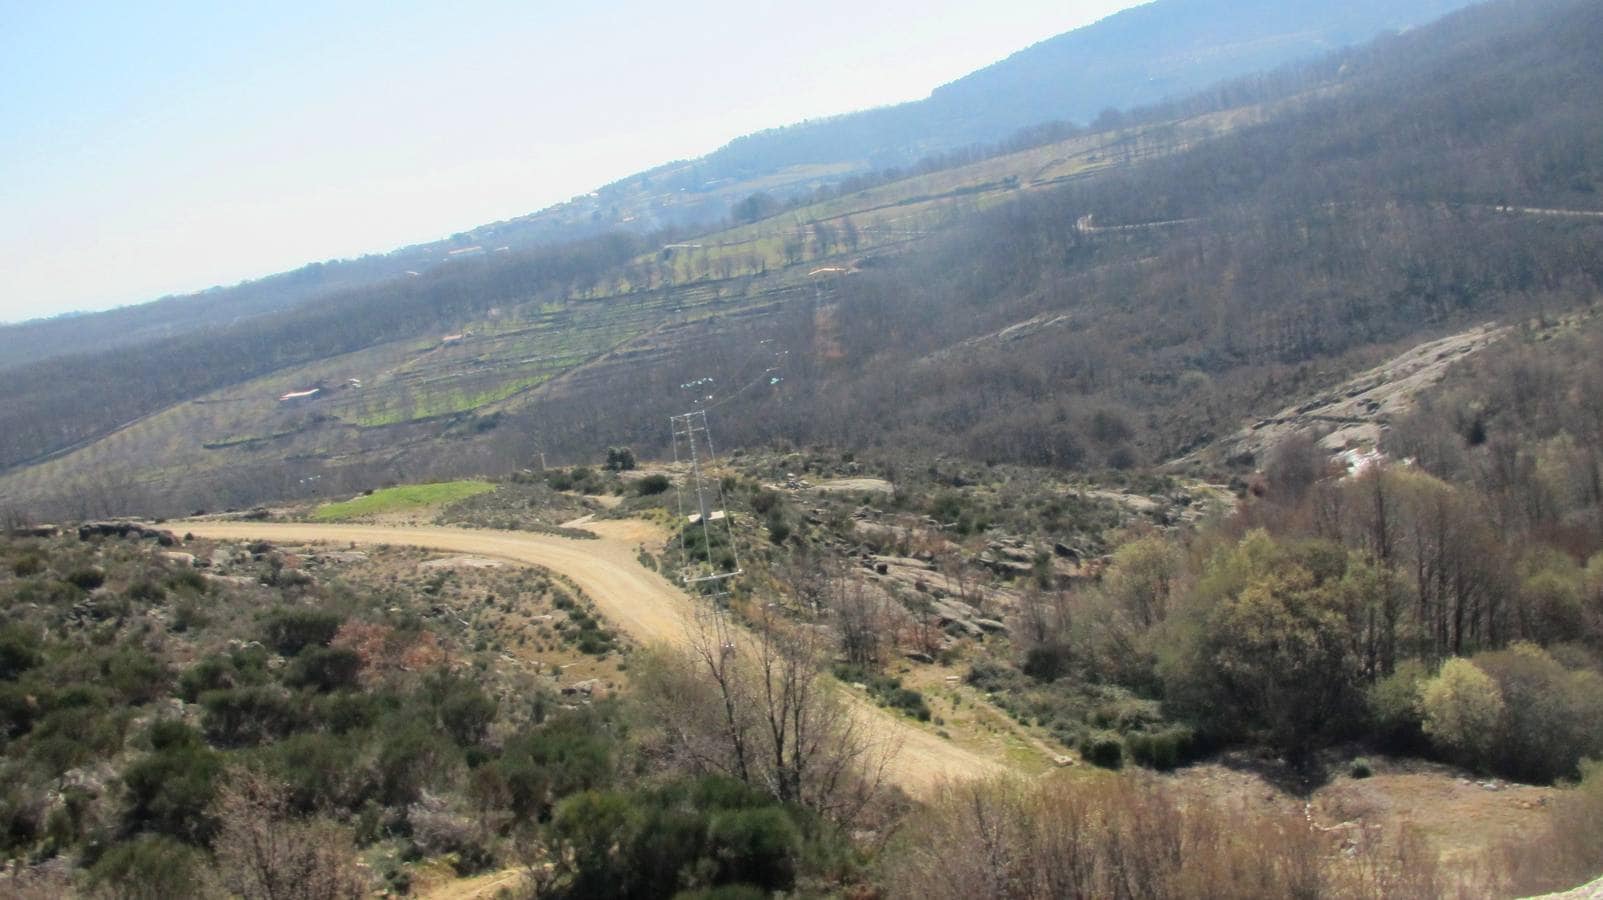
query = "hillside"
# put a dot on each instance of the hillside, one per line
(1158, 51)
(1162, 50)
(1113, 298)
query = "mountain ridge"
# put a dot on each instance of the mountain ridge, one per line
(1030, 87)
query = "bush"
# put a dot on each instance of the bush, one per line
(467, 713)
(1360, 768)
(1105, 750)
(249, 715)
(1162, 750)
(319, 773)
(86, 579)
(170, 790)
(1463, 712)
(1552, 717)
(325, 669)
(755, 846)
(289, 631)
(650, 843)
(152, 867)
(136, 675)
(1394, 707)
(26, 566)
(19, 652)
(652, 485)
(18, 709)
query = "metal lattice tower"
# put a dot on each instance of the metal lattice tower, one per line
(692, 443)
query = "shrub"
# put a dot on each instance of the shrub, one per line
(1394, 706)
(291, 630)
(146, 591)
(467, 713)
(249, 715)
(652, 485)
(1105, 750)
(1463, 711)
(320, 772)
(19, 652)
(1162, 750)
(189, 615)
(1360, 768)
(136, 675)
(18, 709)
(151, 867)
(1552, 717)
(87, 578)
(26, 566)
(170, 790)
(755, 846)
(325, 669)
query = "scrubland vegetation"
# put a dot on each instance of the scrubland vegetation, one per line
(979, 495)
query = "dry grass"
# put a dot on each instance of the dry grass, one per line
(1133, 836)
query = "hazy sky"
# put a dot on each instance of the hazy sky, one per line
(150, 148)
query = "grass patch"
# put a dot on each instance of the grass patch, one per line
(407, 496)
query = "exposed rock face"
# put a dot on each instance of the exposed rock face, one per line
(1359, 411)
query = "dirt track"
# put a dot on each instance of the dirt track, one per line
(640, 602)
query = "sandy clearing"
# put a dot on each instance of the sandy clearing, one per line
(854, 485)
(640, 602)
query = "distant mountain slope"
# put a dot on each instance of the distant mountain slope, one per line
(1140, 56)
(1119, 297)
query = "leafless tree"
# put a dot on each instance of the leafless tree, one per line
(757, 706)
(263, 853)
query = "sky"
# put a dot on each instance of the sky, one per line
(156, 148)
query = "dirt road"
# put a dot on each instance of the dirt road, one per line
(640, 602)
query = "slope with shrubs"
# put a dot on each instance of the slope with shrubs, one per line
(265, 723)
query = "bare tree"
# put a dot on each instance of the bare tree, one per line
(758, 707)
(263, 853)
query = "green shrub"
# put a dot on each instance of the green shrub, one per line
(1162, 750)
(73, 735)
(755, 846)
(1360, 768)
(1552, 717)
(652, 485)
(247, 716)
(325, 669)
(413, 755)
(1394, 707)
(170, 791)
(18, 710)
(321, 772)
(19, 652)
(136, 675)
(466, 714)
(1105, 750)
(151, 867)
(1462, 711)
(87, 578)
(187, 581)
(289, 631)
(27, 566)
(146, 591)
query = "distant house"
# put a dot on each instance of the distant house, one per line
(464, 253)
(450, 339)
(297, 397)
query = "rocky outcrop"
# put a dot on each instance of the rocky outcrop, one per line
(135, 530)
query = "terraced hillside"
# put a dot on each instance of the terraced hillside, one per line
(389, 410)
(1106, 300)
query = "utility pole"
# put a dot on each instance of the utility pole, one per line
(701, 508)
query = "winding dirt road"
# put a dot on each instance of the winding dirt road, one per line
(639, 602)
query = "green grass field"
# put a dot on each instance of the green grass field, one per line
(406, 496)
